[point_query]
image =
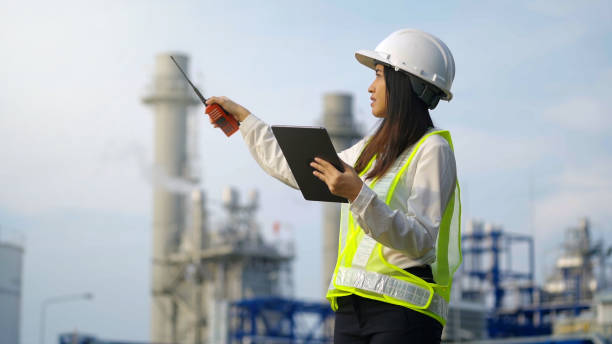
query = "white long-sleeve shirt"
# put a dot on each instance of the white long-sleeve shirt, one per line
(407, 230)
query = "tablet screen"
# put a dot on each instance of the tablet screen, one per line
(300, 145)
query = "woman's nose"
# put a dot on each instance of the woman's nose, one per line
(371, 88)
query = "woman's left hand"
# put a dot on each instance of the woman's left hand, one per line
(345, 184)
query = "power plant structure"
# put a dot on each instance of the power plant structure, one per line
(574, 277)
(339, 121)
(11, 265)
(574, 305)
(495, 301)
(197, 270)
(208, 283)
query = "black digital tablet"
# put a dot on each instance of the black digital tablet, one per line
(301, 145)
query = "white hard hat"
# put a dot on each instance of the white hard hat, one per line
(418, 53)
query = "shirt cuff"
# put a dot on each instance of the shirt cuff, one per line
(363, 200)
(248, 124)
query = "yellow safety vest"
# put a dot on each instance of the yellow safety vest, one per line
(361, 268)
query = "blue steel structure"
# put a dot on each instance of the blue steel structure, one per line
(496, 243)
(567, 339)
(530, 317)
(71, 338)
(279, 320)
(584, 339)
(575, 339)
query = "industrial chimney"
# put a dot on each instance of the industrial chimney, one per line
(338, 120)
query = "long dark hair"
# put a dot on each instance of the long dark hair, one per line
(406, 122)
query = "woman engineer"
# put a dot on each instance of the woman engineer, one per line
(399, 233)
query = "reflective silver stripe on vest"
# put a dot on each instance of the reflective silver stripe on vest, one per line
(393, 287)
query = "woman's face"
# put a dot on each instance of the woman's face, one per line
(378, 91)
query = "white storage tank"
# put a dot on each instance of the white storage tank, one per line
(603, 311)
(10, 291)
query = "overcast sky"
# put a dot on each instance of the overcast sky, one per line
(531, 107)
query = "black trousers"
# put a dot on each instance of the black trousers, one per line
(364, 321)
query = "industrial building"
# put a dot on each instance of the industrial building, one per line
(573, 305)
(11, 270)
(495, 302)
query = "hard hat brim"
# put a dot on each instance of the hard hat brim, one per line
(370, 58)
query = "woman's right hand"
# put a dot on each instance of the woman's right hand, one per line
(238, 111)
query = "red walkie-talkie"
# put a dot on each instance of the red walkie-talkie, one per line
(226, 122)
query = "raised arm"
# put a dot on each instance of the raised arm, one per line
(263, 147)
(260, 140)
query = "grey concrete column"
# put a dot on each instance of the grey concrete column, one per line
(169, 97)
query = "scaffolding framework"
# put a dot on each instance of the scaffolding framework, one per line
(279, 320)
(535, 309)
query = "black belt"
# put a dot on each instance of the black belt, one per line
(423, 271)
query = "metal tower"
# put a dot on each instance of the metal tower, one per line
(574, 277)
(338, 120)
(240, 264)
